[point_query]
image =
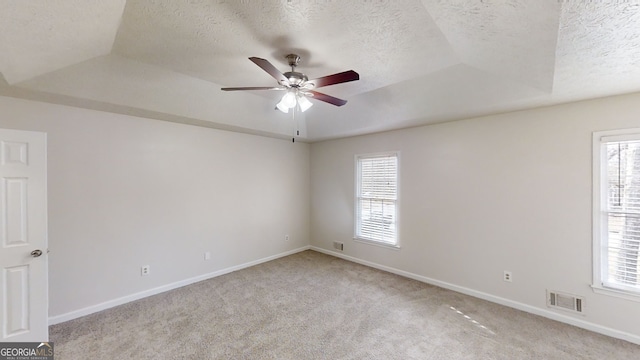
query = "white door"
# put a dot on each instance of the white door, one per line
(23, 236)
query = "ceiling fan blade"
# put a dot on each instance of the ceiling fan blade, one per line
(252, 88)
(327, 98)
(269, 68)
(338, 78)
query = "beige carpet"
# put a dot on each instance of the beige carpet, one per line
(314, 306)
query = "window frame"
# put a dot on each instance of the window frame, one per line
(357, 188)
(599, 219)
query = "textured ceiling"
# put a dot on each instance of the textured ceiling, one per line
(419, 62)
(37, 37)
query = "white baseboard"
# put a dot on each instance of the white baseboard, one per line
(129, 298)
(496, 299)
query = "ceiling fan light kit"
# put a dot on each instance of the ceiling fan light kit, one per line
(297, 85)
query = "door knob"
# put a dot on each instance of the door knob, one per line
(36, 253)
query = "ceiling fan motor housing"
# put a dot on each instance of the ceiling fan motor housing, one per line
(295, 78)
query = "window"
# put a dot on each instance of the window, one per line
(617, 212)
(377, 198)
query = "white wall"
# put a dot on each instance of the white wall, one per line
(480, 196)
(125, 192)
(505, 192)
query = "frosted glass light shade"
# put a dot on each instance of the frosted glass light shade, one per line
(304, 103)
(289, 100)
(282, 108)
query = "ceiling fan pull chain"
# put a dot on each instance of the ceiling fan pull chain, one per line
(295, 127)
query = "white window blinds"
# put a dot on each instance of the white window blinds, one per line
(376, 198)
(620, 217)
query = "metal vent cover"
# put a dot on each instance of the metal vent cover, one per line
(338, 246)
(565, 301)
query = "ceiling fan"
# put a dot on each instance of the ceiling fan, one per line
(297, 86)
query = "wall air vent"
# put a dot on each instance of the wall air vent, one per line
(564, 301)
(338, 246)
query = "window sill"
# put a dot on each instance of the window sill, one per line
(599, 289)
(377, 243)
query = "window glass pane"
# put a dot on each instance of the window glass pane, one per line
(623, 246)
(378, 220)
(378, 177)
(623, 175)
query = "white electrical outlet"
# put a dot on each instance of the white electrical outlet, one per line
(507, 276)
(145, 270)
(286, 238)
(207, 255)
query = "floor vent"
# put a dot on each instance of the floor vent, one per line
(563, 301)
(338, 245)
